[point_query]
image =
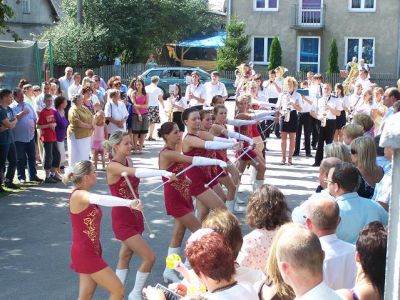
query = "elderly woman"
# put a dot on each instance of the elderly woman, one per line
(116, 112)
(79, 131)
(267, 210)
(213, 261)
(363, 155)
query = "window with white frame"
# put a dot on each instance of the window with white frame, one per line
(266, 5)
(362, 5)
(308, 53)
(260, 50)
(362, 48)
(26, 6)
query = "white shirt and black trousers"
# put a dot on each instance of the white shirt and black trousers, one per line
(304, 120)
(326, 133)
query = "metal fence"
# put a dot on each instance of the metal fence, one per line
(128, 71)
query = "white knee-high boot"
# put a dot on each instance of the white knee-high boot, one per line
(122, 274)
(136, 293)
(170, 275)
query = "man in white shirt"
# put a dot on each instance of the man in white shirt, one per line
(300, 262)
(195, 92)
(38, 104)
(316, 92)
(272, 90)
(339, 263)
(66, 81)
(363, 80)
(155, 98)
(304, 121)
(214, 88)
(75, 87)
(325, 110)
(390, 96)
(299, 213)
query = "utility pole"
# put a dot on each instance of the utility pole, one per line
(79, 11)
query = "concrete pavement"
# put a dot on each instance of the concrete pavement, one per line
(35, 230)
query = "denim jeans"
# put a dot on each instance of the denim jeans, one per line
(8, 152)
(26, 153)
(51, 155)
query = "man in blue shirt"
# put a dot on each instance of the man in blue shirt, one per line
(24, 132)
(355, 211)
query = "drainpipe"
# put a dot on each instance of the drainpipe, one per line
(229, 12)
(398, 44)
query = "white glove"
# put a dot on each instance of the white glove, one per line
(211, 145)
(260, 115)
(111, 201)
(205, 161)
(241, 137)
(222, 140)
(145, 173)
(267, 118)
(238, 122)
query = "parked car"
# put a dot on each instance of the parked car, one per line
(173, 75)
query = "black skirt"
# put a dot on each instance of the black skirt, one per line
(341, 120)
(290, 126)
(177, 118)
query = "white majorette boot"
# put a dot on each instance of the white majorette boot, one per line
(122, 274)
(136, 293)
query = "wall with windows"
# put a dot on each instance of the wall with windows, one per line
(367, 29)
(30, 16)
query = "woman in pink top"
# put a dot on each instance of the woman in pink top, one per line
(140, 123)
(267, 210)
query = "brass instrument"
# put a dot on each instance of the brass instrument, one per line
(325, 110)
(351, 79)
(285, 109)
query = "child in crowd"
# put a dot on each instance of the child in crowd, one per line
(100, 134)
(47, 123)
(351, 132)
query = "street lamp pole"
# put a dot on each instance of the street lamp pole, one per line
(79, 11)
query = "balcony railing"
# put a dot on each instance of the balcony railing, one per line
(308, 18)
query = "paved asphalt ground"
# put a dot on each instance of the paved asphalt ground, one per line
(35, 230)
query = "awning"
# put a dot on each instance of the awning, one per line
(215, 40)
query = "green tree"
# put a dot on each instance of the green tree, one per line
(236, 50)
(133, 28)
(333, 66)
(7, 13)
(275, 54)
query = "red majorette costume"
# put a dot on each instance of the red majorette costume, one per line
(86, 247)
(126, 222)
(199, 176)
(178, 200)
(246, 130)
